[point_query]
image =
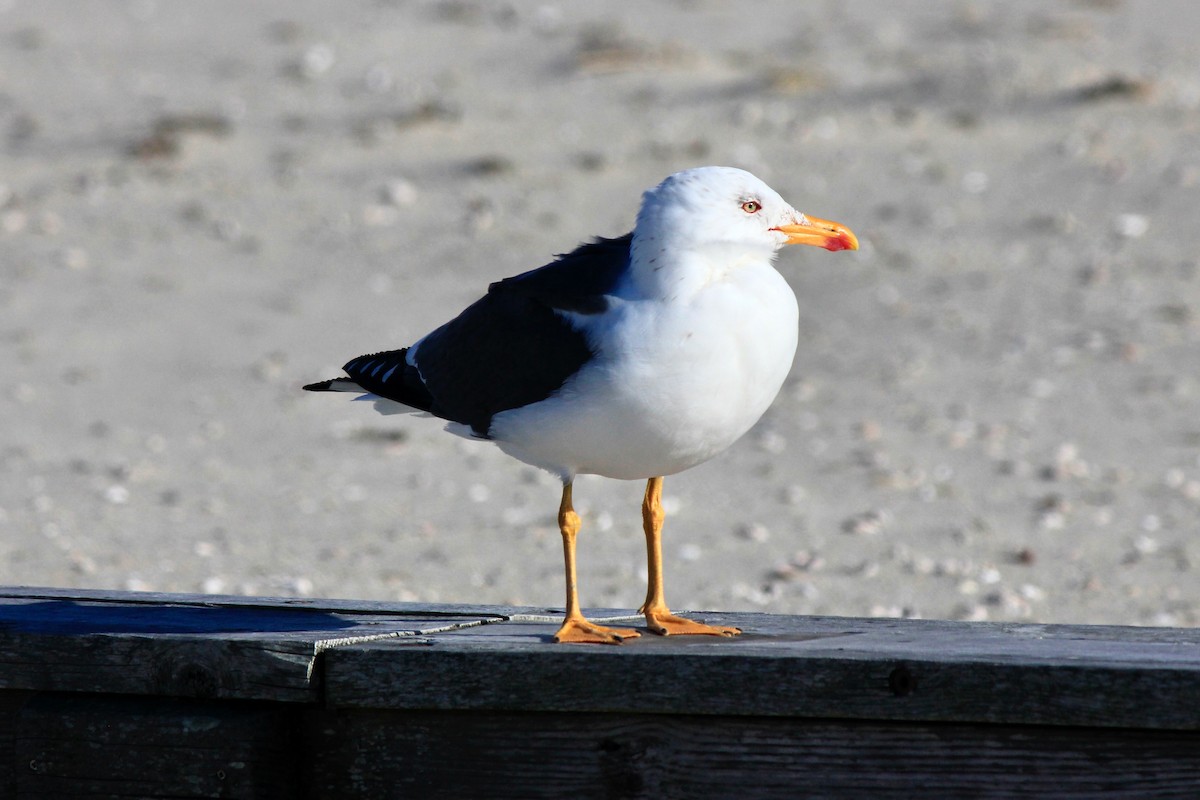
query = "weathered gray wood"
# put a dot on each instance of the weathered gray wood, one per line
(379, 699)
(77, 746)
(387, 608)
(799, 666)
(186, 646)
(369, 754)
(11, 704)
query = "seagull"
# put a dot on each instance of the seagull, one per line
(631, 358)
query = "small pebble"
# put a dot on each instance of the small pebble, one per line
(784, 572)
(1131, 226)
(863, 569)
(754, 532)
(490, 165)
(116, 494)
(480, 216)
(1115, 87)
(804, 560)
(1052, 520)
(753, 595)
(922, 565)
(400, 192)
(1146, 545)
(793, 495)
(82, 563)
(952, 567)
(867, 523)
(316, 61)
(1031, 592)
(972, 613)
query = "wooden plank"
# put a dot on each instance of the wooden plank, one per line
(259, 648)
(187, 646)
(75, 746)
(370, 753)
(799, 666)
(390, 608)
(11, 704)
(381, 699)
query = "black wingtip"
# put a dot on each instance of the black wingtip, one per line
(321, 386)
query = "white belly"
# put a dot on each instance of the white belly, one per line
(672, 385)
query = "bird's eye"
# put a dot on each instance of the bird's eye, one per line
(751, 207)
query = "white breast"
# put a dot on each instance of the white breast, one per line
(676, 380)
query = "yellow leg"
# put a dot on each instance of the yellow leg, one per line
(658, 616)
(575, 627)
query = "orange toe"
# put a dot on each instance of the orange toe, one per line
(665, 623)
(580, 631)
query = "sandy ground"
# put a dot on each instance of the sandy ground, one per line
(994, 412)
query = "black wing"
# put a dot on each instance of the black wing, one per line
(576, 281)
(508, 349)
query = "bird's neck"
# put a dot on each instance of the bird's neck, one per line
(665, 269)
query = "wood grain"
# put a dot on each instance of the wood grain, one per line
(187, 645)
(523, 755)
(89, 746)
(800, 666)
(112, 694)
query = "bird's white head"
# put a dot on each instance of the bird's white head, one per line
(728, 210)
